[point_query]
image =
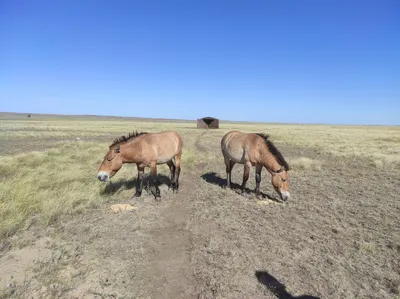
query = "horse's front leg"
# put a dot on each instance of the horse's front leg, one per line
(246, 173)
(139, 182)
(154, 184)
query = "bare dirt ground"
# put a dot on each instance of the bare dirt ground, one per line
(339, 237)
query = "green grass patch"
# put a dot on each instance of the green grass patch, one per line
(59, 181)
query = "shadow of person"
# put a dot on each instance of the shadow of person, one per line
(215, 179)
(276, 287)
(113, 187)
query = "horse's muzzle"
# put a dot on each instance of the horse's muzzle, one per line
(103, 176)
(285, 195)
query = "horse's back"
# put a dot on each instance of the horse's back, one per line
(170, 136)
(240, 147)
(166, 145)
(231, 135)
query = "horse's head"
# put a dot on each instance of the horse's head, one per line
(280, 181)
(112, 162)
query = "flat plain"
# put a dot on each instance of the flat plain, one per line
(338, 237)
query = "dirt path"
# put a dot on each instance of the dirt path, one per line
(171, 260)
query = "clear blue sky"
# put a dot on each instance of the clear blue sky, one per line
(304, 61)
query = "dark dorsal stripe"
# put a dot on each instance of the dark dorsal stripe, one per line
(274, 151)
(127, 138)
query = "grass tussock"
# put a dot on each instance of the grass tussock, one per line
(48, 184)
(304, 163)
(189, 158)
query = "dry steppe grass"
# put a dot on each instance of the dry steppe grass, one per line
(58, 179)
(338, 238)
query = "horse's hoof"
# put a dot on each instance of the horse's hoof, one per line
(136, 195)
(157, 195)
(244, 193)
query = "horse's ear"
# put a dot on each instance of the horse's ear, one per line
(118, 149)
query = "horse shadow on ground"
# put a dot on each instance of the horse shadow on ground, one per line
(114, 187)
(276, 287)
(215, 179)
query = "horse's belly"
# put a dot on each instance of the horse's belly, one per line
(166, 152)
(164, 159)
(237, 156)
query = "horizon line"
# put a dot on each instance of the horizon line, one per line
(188, 120)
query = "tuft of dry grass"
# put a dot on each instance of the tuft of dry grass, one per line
(48, 184)
(304, 163)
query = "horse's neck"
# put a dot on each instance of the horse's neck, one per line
(132, 151)
(269, 161)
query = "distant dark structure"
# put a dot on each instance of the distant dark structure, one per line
(208, 123)
(29, 115)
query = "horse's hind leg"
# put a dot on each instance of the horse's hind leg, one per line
(176, 173)
(246, 173)
(154, 184)
(258, 179)
(172, 169)
(177, 170)
(229, 165)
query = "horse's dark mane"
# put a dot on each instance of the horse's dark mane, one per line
(126, 138)
(274, 151)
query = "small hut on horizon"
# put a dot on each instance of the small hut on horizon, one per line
(208, 123)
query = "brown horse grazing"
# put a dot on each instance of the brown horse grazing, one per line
(254, 149)
(145, 150)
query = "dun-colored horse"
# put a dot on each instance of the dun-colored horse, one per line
(145, 150)
(253, 149)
